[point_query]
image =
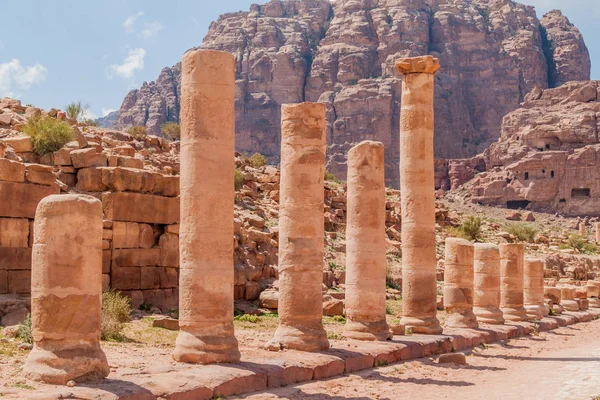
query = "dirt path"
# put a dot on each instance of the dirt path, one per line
(563, 364)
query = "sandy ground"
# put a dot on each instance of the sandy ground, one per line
(561, 364)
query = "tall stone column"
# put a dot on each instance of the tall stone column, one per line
(582, 229)
(301, 234)
(419, 285)
(365, 244)
(598, 232)
(533, 288)
(458, 284)
(206, 279)
(66, 291)
(486, 298)
(511, 282)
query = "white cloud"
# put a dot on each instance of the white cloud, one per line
(87, 114)
(106, 111)
(132, 63)
(13, 76)
(129, 22)
(151, 29)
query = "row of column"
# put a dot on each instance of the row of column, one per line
(485, 283)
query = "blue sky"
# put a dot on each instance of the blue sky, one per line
(52, 53)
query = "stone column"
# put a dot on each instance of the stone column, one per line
(301, 234)
(206, 332)
(593, 289)
(533, 288)
(598, 232)
(66, 291)
(365, 244)
(582, 229)
(419, 285)
(553, 294)
(511, 282)
(567, 298)
(458, 284)
(486, 297)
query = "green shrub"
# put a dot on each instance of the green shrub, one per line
(115, 313)
(138, 132)
(24, 330)
(171, 130)
(330, 177)
(469, 230)
(523, 232)
(76, 110)
(47, 134)
(247, 318)
(579, 243)
(238, 179)
(257, 160)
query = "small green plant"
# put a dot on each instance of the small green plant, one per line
(523, 232)
(469, 230)
(253, 319)
(115, 313)
(382, 363)
(171, 130)
(328, 176)
(334, 336)
(137, 132)
(408, 331)
(579, 243)
(257, 160)
(388, 310)
(24, 330)
(146, 307)
(339, 318)
(47, 134)
(76, 110)
(238, 179)
(551, 311)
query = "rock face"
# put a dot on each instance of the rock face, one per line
(341, 53)
(548, 157)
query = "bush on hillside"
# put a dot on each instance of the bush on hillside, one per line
(238, 179)
(115, 313)
(47, 134)
(138, 132)
(257, 160)
(469, 230)
(171, 130)
(523, 232)
(76, 110)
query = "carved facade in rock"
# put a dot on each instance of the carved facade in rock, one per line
(341, 53)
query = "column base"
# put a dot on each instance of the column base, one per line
(428, 326)
(206, 349)
(461, 319)
(514, 314)
(368, 330)
(58, 362)
(558, 309)
(301, 338)
(535, 312)
(594, 302)
(570, 305)
(488, 315)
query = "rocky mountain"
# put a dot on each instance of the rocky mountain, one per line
(109, 120)
(547, 158)
(492, 52)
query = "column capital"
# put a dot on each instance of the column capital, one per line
(418, 65)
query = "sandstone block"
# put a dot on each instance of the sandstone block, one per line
(454, 358)
(126, 235)
(14, 232)
(12, 171)
(126, 278)
(137, 207)
(106, 261)
(40, 174)
(15, 258)
(252, 290)
(105, 282)
(20, 144)
(135, 257)
(3, 281)
(146, 239)
(168, 277)
(150, 278)
(269, 299)
(86, 158)
(62, 157)
(15, 317)
(126, 162)
(122, 179)
(19, 200)
(68, 179)
(19, 282)
(166, 323)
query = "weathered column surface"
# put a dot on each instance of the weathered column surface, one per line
(511, 282)
(533, 288)
(66, 291)
(301, 234)
(593, 289)
(206, 332)
(365, 244)
(458, 284)
(486, 295)
(582, 229)
(598, 232)
(553, 294)
(419, 285)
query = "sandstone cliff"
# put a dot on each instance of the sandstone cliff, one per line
(341, 53)
(548, 157)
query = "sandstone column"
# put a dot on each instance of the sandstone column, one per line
(582, 229)
(598, 232)
(458, 284)
(207, 198)
(419, 285)
(567, 298)
(533, 288)
(511, 282)
(301, 234)
(593, 288)
(365, 244)
(66, 291)
(486, 297)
